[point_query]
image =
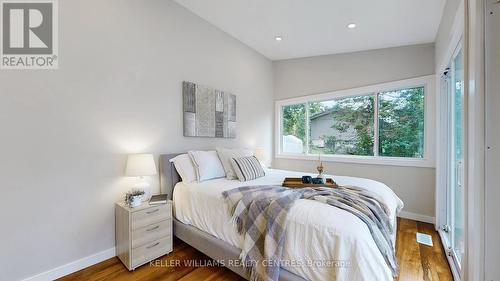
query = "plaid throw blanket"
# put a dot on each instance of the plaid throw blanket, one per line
(260, 214)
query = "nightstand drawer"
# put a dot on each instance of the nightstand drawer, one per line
(151, 251)
(151, 215)
(151, 232)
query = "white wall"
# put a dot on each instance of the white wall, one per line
(444, 35)
(492, 192)
(306, 76)
(65, 133)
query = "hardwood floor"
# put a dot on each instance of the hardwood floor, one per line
(416, 261)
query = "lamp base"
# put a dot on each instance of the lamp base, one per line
(144, 185)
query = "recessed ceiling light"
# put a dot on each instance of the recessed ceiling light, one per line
(351, 25)
(278, 38)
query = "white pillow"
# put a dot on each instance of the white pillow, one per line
(226, 155)
(185, 167)
(207, 165)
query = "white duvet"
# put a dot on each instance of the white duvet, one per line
(322, 242)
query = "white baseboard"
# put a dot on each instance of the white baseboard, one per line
(73, 266)
(417, 217)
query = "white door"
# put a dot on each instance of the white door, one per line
(452, 228)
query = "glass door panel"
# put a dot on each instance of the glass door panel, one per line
(457, 155)
(452, 124)
(445, 224)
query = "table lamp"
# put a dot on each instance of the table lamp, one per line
(141, 165)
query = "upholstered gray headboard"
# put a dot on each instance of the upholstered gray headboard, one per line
(168, 175)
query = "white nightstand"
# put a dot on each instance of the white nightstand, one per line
(143, 233)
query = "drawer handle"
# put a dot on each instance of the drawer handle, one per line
(153, 228)
(153, 211)
(154, 245)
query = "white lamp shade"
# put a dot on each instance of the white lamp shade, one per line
(260, 153)
(139, 165)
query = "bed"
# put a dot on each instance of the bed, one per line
(322, 242)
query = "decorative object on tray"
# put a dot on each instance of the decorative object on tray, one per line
(133, 198)
(319, 180)
(297, 183)
(141, 166)
(208, 112)
(307, 179)
(158, 199)
(320, 143)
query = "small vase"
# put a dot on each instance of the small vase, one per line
(136, 201)
(322, 177)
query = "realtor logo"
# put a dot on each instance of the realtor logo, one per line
(29, 34)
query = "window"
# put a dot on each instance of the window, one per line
(378, 124)
(294, 128)
(401, 123)
(342, 126)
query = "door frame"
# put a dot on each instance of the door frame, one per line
(457, 39)
(474, 46)
(469, 23)
(445, 163)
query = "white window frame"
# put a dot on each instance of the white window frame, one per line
(428, 159)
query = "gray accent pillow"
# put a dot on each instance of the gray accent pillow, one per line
(247, 168)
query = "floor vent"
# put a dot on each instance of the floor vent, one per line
(425, 239)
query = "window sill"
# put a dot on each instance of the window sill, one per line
(370, 160)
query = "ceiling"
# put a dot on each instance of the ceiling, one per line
(319, 27)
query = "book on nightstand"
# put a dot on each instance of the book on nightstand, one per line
(158, 199)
